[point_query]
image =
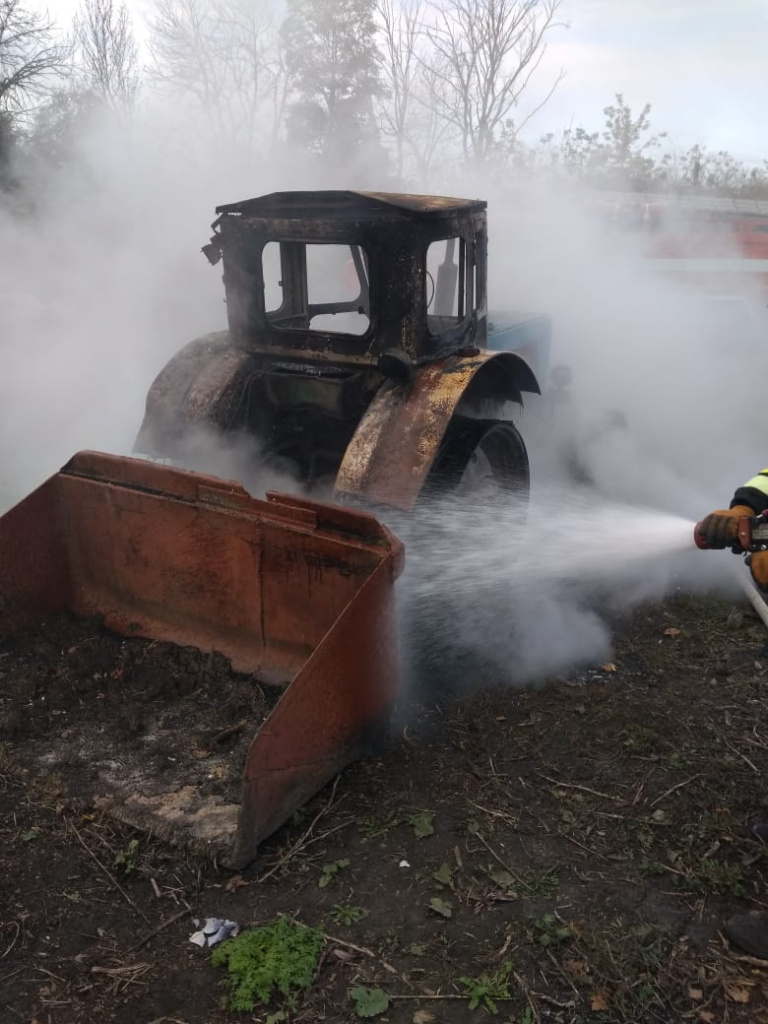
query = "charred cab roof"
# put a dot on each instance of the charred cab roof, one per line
(344, 204)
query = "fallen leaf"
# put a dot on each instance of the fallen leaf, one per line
(609, 667)
(421, 824)
(671, 631)
(236, 882)
(599, 1002)
(423, 1017)
(441, 907)
(533, 719)
(443, 875)
(344, 955)
(737, 993)
(695, 993)
(369, 1002)
(706, 1016)
(502, 878)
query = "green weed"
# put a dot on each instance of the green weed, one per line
(369, 1002)
(346, 914)
(714, 876)
(331, 870)
(532, 884)
(371, 827)
(549, 931)
(487, 988)
(127, 860)
(421, 824)
(642, 739)
(443, 876)
(280, 957)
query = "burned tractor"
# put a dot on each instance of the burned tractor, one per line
(356, 350)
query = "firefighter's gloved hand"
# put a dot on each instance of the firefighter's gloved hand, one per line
(719, 529)
(758, 566)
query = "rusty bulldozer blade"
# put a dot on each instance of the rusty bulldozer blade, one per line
(299, 593)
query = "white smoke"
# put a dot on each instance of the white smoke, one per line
(105, 281)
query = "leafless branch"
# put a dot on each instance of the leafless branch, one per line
(31, 58)
(485, 53)
(222, 54)
(107, 51)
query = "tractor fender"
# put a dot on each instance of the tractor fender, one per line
(388, 460)
(200, 386)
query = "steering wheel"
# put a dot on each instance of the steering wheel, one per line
(432, 293)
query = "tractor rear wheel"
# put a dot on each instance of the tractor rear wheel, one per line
(482, 461)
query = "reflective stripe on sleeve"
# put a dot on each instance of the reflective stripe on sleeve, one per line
(759, 482)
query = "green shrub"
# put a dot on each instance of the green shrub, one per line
(281, 956)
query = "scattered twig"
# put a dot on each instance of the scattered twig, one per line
(494, 814)
(581, 846)
(498, 859)
(523, 985)
(673, 789)
(744, 957)
(50, 974)
(558, 967)
(329, 832)
(582, 789)
(302, 840)
(438, 995)
(365, 952)
(14, 940)
(738, 753)
(160, 928)
(122, 977)
(108, 874)
(225, 734)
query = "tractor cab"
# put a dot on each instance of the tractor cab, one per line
(349, 276)
(356, 350)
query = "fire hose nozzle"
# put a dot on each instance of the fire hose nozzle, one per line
(699, 539)
(750, 535)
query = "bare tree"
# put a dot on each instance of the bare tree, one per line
(31, 58)
(107, 51)
(223, 55)
(408, 108)
(485, 53)
(400, 25)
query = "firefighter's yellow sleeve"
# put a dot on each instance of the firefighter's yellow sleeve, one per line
(753, 493)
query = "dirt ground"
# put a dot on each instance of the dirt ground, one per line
(567, 852)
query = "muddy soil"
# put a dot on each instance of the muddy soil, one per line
(568, 852)
(111, 721)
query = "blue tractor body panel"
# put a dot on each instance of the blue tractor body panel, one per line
(527, 334)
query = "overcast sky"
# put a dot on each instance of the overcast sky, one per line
(701, 64)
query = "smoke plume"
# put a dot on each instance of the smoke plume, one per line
(102, 281)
